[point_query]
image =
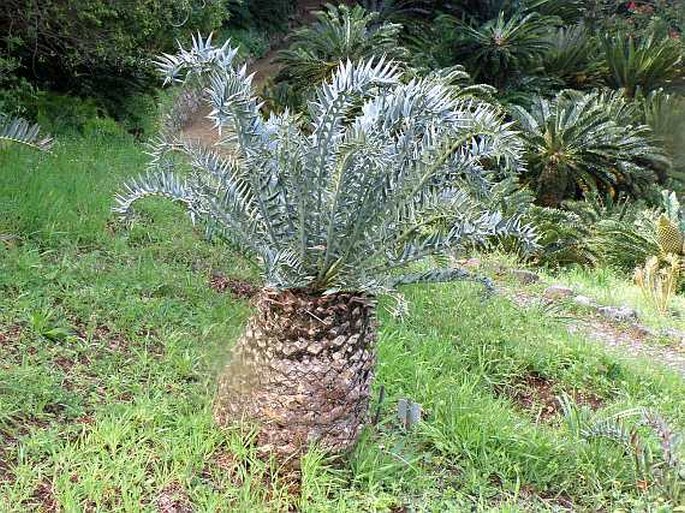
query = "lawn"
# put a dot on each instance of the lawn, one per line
(110, 339)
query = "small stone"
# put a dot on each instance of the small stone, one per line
(643, 331)
(673, 334)
(525, 277)
(619, 314)
(556, 292)
(315, 349)
(583, 301)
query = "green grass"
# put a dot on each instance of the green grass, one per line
(110, 340)
(610, 287)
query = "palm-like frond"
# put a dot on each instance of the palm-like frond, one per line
(341, 203)
(340, 33)
(505, 45)
(20, 131)
(646, 64)
(581, 142)
(574, 57)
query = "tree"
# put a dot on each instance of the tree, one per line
(333, 213)
(578, 142)
(98, 48)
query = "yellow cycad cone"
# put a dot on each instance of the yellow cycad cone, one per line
(669, 236)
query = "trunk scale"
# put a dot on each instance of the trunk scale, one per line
(302, 373)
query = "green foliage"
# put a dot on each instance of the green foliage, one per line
(14, 90)
(338, 34)
(268, 15)
(98, 48)
(573, 58)
(502, 48)
(481, 11)
(598, 231)
(665, 114)
(661, 17)
(563, 237)
(636, 430)
(343, 203)
(641, 64)
(625, 241)
(580, 142)
(132, 380)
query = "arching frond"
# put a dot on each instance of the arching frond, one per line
(341, 203)
(20, 131)
(580, 142)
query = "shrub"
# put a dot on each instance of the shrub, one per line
(332, 213)
(574, 57)
(96, 47)
(502, 48)
(338, 34)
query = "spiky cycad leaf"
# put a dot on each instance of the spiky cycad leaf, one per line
(574, 57)
(20, 131)
(341, 203)
(645, 64)
(340, 33)
(501, 48)
(580, 142)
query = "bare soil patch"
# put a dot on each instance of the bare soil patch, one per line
(239, 288)
(173, 499)
(538, 395)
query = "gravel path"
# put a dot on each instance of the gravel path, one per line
(629, 339)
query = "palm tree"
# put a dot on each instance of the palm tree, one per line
(338, 34)
(19, 131)
(579, 142)
(333, 213)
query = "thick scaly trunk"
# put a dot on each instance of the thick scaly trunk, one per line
(302, 372)
(552, 187)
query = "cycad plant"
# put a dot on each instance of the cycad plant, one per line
(659, 283)
(333, 213)
(660, 277)
(645, 64)
(504, 47)
(15, 130)
(579, 142)
(340, 33)
(574, 57)
(670, 226)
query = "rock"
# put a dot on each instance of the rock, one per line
(525, 277)
(556, 292)
(618, 313)
(583, 301)
(673, 334)
(643, 331)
